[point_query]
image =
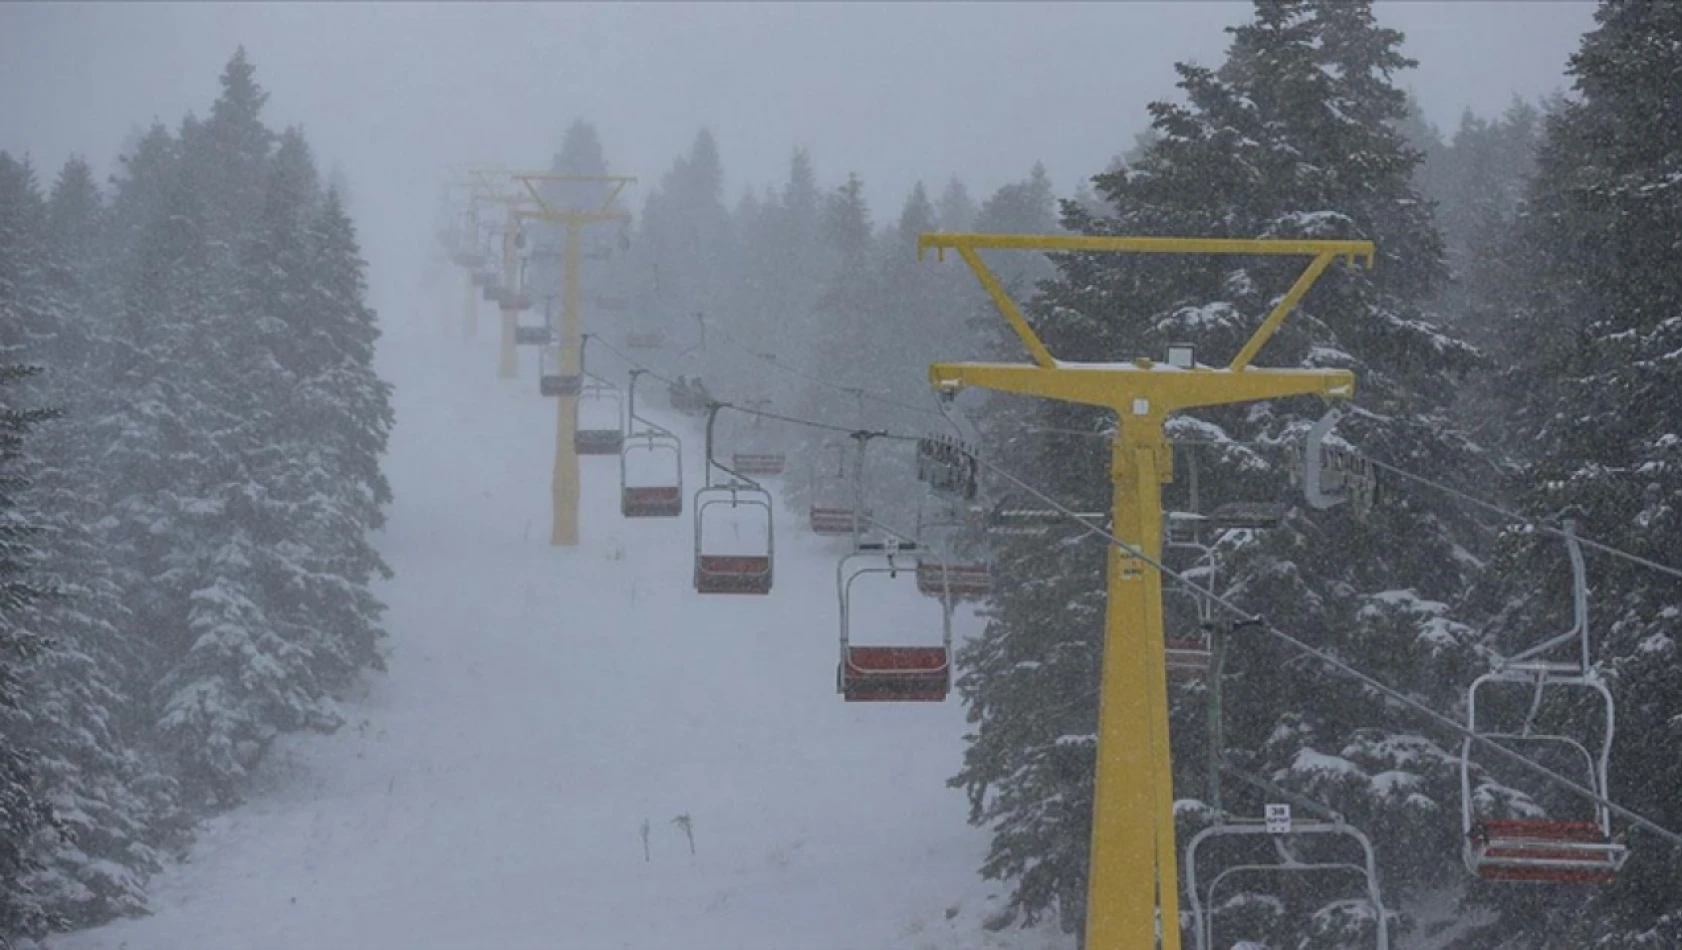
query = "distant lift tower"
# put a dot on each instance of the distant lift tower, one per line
(564, 484)
(480, 181)
(1132, 888)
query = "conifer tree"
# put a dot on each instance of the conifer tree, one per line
(112, 806)
(956, 210)
(1293, 136)
(1593, 318)
(24, 814)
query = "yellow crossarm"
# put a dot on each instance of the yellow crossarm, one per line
(1322, 252)
(530, 180)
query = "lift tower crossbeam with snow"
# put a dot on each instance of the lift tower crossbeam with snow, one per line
(1133, 881)
(564, 483)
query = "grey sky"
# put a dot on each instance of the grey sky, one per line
(895, 91)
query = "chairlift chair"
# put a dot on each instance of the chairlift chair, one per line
(514, 300)
(688, 396)
(645, 340)
(552, 379)
(735, 501)
(1278, 825)
(533, 335)
(943, 578)
(828, 515)
(663, 498)
(1015, 516)
(1545, 849)
(1187, 657)
(960, 581)
(1204, 899)
(758, 462)
(598, 394)
(888, 673)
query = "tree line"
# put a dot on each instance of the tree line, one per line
(191, 433)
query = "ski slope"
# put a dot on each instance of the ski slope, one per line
(542, 703)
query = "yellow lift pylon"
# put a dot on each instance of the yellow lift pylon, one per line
(564, 482)
(481, 183)
(1133, 884)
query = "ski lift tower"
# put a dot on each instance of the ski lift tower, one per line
(480, 182)
(1133, 881)
(564, 484)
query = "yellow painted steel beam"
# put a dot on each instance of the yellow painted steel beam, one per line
(1353, 250)
(507, 366)
(1006, 306)
(564, 484)
(1322, 252)
(470, 317)
(616, 185)
(1144, 388)
(1134, 878)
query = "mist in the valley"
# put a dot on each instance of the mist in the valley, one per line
(896, 92)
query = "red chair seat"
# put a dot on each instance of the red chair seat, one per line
(1542, 850)
(1186, 658)
(963, 580)
(832, 520)
(651, 502)
(758, 464)
(733, 574)
(598, 441)
(895, 674)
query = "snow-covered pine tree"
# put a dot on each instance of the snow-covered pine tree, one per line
(1294, 136)
(24, 813)
(229, 155)
(956, 210)
(112, 806)
(1594, 325)
(848, 238)
(350, 407)
(686, 246)
(779, 269)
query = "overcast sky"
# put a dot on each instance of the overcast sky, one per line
(897, 92)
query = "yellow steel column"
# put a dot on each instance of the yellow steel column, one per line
(507, 367)
(470, 315)
(1126, 855)
(564, 484)
(1154, 467)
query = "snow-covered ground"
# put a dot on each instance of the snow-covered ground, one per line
(543, 703)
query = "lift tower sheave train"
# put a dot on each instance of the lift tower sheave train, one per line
(1133, 879)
